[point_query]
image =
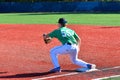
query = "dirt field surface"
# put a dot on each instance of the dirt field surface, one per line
(24, 55)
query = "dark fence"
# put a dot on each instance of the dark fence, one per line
(59, 6)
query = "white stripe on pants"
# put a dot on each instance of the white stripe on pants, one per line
(72, 50)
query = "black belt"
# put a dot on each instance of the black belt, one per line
(69, 43)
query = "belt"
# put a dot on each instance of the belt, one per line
(69, 43)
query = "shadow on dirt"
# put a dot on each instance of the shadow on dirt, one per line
(68, 70)
(3, 72)
(26, 75)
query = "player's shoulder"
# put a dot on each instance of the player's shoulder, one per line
(56, 31)
(70, 29)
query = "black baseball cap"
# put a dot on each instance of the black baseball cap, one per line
(62, 21)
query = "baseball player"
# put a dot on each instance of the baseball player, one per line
(70, 45)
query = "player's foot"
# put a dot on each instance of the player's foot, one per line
(90, 67)
(58, 69)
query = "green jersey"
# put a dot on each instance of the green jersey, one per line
(65, 35)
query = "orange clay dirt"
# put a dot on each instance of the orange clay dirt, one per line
(25, 56)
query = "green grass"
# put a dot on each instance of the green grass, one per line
(115, 78)
(51, 18)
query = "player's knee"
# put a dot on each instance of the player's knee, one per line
(73, 61)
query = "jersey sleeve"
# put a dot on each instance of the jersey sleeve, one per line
(53, 34)
(76, 36)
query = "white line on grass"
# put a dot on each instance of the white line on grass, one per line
(73, 73)
(107, 77)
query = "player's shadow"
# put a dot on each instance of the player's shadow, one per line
(3, 72)
(26, 75)
(68, 70)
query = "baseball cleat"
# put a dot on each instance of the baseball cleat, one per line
(89, 68)
(58, 69)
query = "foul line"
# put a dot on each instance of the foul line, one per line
(56, 76)
(74, 73)
(110, 68)
(107, 77)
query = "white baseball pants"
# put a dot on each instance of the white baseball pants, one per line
(72, 50)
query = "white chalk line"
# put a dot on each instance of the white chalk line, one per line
(73, 73)
(62, 75)
(111, 68)
(56, 76)
(107, 77)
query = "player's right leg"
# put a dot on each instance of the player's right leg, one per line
(75, 60)
(86, 66)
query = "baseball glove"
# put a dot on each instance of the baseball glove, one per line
(46, 39)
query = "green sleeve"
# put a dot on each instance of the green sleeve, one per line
(53, 34)
(76, 36)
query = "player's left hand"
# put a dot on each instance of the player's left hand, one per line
(46, 39)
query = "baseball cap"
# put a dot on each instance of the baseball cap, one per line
(62, 21)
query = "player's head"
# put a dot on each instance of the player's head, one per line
(62, 22)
